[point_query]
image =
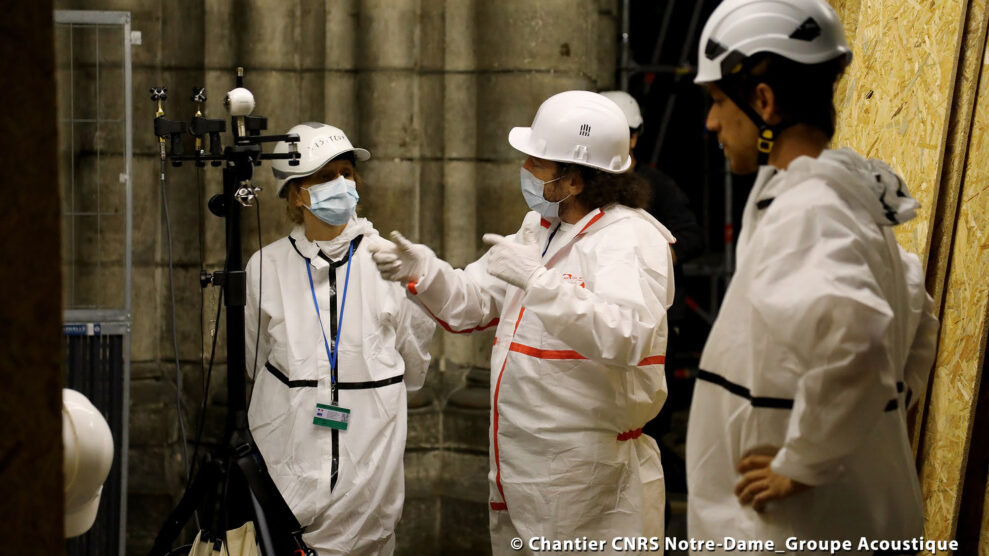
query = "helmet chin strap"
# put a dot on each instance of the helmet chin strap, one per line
(768, 134)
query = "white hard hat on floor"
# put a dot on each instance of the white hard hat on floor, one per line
(318, 144)
(88, 456)
(628, 105)
(578, 127)
(805, 31)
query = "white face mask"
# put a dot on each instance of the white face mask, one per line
(334, 202)
(532, 191)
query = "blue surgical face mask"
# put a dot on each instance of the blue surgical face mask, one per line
(532, 191)
(334, 202)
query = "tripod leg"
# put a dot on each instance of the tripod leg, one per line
(208, 477)
(262, 525)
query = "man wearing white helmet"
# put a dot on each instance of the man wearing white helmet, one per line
(798, 426)
(668, 204)
(336, 350)
(579, 297)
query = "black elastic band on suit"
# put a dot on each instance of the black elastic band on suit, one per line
(284, 379)
(367, 385)
(739, 390)
(371, 383)
(764, 203)
(763, 401)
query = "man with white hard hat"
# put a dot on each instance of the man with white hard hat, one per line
(798, 426)
(668, 204)
(336, 351)
(579, 297)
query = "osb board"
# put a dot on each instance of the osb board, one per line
(963, 338)
(848, 12)
(897, 97)
(959, 129)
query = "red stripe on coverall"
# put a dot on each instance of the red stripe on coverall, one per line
(502, 505)
(593, 220)
(630, 435)
(570, 354)
(494, 322)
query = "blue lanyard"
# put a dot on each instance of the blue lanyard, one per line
(550, 240)
(332, 356)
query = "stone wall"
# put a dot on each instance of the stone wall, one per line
(431, 88)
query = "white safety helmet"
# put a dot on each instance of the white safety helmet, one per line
(88, 456)
(805, 31)
(628, 105)
(318, 144)
(577, 127)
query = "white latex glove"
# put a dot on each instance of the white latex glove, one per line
(517, 263)
(401, 261)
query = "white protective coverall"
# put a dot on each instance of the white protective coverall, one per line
(576, 371)
(345, 487)
(824, 336)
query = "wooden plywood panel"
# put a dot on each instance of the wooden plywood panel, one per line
(959, 129)
(963, 337)
(848, 12)
(953, 169)
(898, 92)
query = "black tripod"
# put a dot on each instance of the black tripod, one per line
(235, 467)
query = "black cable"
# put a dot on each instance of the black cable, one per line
(208, 375)
(175, 341)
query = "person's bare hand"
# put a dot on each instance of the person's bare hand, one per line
(760, 484)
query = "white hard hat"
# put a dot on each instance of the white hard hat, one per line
(88, 456)
(318, 144)
(628, 105)
(804, 31)
(577, 127)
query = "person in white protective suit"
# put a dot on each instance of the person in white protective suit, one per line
(798, 425)
(336, 351)
(579, 297)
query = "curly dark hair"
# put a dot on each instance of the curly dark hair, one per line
(602, 188)
(804, 93)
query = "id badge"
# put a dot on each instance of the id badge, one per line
(331, 416)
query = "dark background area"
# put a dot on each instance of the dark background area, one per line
(663, 41)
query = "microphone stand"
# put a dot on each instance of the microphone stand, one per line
(236, 465)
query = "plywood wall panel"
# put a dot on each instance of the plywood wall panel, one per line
(896, 100)
(962, 346)
(945, 208)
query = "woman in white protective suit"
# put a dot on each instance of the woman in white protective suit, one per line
(336, 351)
(798, 426)
(579, 297)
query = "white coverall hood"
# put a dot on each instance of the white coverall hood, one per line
(338, 246)
(870, 182)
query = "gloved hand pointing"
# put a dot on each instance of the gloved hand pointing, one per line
(401, 261)
(517, 263)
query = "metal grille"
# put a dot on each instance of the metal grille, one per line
(93, 76)
(96, 366)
